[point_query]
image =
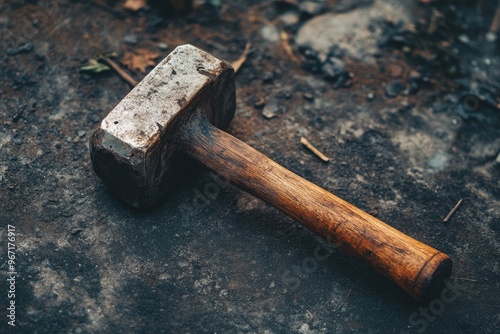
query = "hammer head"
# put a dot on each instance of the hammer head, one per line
(133, 149)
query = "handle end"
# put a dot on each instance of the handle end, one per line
(432, 276)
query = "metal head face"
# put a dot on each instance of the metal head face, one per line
(133, 149)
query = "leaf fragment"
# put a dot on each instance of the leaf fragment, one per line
(139, 60)
(94, 66)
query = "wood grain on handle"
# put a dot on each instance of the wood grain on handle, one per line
(416, 267)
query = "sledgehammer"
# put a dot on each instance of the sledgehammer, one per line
(178, 111)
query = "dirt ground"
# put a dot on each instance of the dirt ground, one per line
(402, 96)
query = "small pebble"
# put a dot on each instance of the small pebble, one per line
(370, 96)
(311, 8)
(416, 75)
(131, 39)
(75, 230)
(289, 18)
(333, 68)
(82, 133)
(491, 37)
(464, 39)
(270, 33)
(308, 96)
(162, 46)
(272, 109)
(438, 161)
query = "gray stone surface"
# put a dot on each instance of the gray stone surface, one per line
(354, 31)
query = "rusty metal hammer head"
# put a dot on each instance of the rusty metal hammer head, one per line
(134, 149)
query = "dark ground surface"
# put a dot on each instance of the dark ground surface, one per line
(88, 263)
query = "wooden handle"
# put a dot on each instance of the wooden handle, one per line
(417, 268)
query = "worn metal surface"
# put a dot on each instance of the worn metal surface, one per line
(133, 147)
(159, 97)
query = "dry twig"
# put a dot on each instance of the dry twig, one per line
(125, 76)
(465, 279)
(455, 208)
(313, 149)
(495, 24)
(343, 302)
(240, 61)
(287, 47)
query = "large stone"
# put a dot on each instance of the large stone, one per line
(356, 32)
